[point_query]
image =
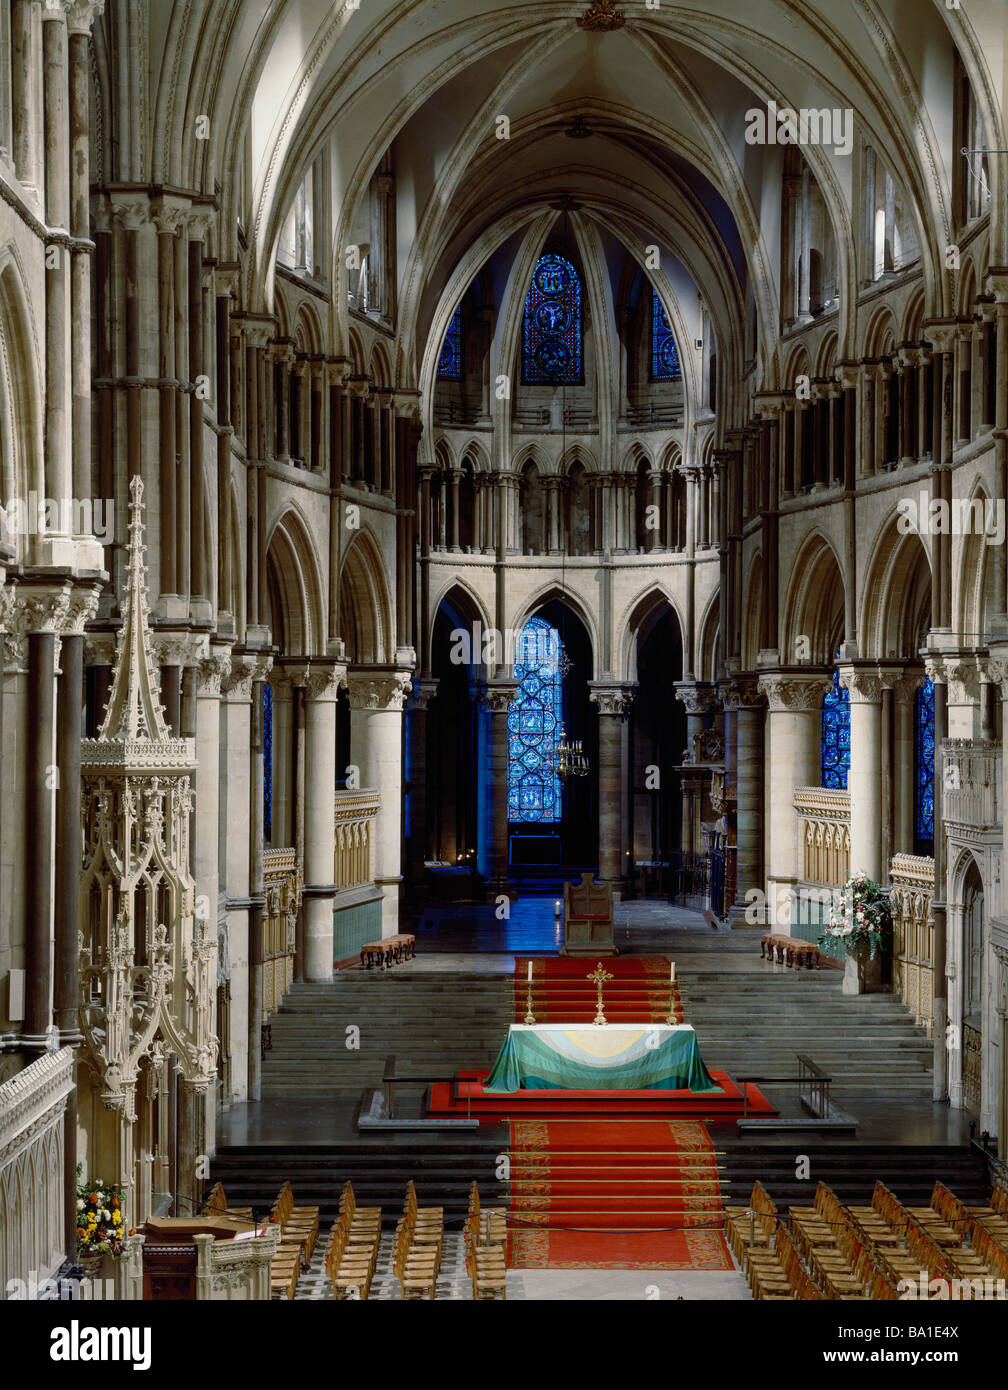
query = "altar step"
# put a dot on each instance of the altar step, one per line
(431, 1024)
(756, 1024)
(252, 1175)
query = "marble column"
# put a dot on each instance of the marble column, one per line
(377, 699)
(792, 754)
(322, 681)
(613, 703)
(492, 804)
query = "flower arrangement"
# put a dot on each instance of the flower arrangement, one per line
(100, 1226)
(862, 915)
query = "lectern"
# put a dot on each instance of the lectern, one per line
(213, 1258)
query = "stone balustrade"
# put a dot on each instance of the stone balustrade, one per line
(824, 834)
(972, 772)
(355, 815)
(911, 878)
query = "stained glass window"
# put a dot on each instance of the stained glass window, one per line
(449, 365)
(834, 738)
(534, 725)
(552, 345)
(665, 364)
(267, 762)
(924, 768)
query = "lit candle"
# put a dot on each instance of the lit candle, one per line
(530, 972)
(556, 908)
(672, 975)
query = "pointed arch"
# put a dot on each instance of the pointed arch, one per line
(896, 598)
(710, 640)
(814, 604)
(635, 623)
(294, 587)
(365, 606)
(552, 592)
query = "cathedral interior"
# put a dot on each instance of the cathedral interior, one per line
(462, 461)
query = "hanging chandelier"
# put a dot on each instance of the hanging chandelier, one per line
(568, 758)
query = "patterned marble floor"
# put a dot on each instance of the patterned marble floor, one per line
(535, 1285)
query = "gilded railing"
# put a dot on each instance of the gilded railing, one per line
(911, 878)
(970, 783)
(282, 887)
(824, 834)
(355, 814)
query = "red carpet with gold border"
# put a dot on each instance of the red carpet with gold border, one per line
(615, 1194)
(640, 990)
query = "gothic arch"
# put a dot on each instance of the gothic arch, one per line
(365, 608)
(753, 622)
(294, 587)
(974, 578)
(896, 596)
(634, 622)
(552, 592)
(813, 603)
(22, 466)
(710, 636)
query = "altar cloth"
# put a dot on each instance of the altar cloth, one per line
(617, 1056)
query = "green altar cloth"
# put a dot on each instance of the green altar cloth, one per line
(586, 1057)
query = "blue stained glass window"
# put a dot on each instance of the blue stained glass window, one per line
(552, 343)
(449, 364)
(534, 725)
(267, 762)
(665, 364)
(924, 767)
(834, 738)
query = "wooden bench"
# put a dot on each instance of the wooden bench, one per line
(391, 950)
(790, 951)
(217, 1202)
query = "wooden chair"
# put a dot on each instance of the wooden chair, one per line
(415, 1269)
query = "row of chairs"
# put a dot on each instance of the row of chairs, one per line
(485, 1238)
(352, 1248)
(418, 1242)
(299, 1233)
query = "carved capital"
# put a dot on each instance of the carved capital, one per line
(496, 696)
(82, 608)
(211, 673)
(178, 647)
(423, 692)
(379, 691)
(81, 14)
(611, 699)
(697, 699)
(740, 692)
(242, 673)
(787, 691)
(321, 679)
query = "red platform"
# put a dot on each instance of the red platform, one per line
(468, 1097)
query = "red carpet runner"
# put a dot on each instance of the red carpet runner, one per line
(561, 993)
(629, 1194)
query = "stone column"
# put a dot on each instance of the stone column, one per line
(792, 756)
(322, 681)
(700, 702)
(613, 703)
(377, 700)
(416, 782)
(744, 770)
(864, 780)
(42, 613)
(456, 480)
(492, 803)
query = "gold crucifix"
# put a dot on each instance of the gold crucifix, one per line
(599, 976)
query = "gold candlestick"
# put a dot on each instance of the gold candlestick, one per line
(599, 976)
(529, 1015)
